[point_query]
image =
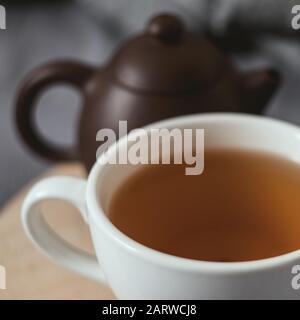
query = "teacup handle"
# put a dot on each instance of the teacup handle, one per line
(71, 190)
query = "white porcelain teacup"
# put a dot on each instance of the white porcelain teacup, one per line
(134, 271)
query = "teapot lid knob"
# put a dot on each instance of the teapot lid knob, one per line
(166, 27)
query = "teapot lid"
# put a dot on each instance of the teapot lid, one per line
(167, 59)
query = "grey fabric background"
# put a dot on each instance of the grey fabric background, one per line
(90, 30)
(217, 15)
(36, 34)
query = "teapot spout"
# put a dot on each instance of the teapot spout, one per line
(258, 88)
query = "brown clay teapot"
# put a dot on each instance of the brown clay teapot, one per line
(161, 73)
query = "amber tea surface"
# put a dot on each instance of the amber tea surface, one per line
(244, 206)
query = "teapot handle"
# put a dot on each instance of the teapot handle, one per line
(67, 72)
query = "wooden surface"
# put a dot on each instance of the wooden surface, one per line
(30, 275)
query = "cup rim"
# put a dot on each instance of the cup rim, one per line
(102, 222)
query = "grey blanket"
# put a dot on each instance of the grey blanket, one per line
(217, 15)
(268, 20)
